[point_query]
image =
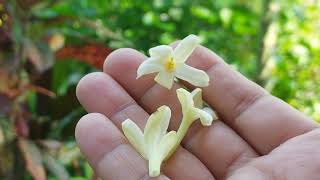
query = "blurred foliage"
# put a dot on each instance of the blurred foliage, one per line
(293, 62)
(47, 46)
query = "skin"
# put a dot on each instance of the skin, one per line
(257, 136)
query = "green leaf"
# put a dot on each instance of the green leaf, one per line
(88, 170)
(67, 73)
(56, 168)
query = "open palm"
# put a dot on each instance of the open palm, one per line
(258, 136)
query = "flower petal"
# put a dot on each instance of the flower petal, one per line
(211, 112)
(185, 99)
(150, 65)
(205, 118)
(185, 48)
(156, 127)
(165, 79)
(197, 98)
(154, 165)
(162, 51)
(192, 75)
(167, 143)
(134, 136)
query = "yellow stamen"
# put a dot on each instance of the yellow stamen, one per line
(170, 65)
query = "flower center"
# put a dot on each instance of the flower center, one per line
(170, 65)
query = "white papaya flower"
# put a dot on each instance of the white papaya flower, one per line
(155, 143)
(192, 107)
(169, 63)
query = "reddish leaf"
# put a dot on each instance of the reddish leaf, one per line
(93, 54)
(33, 159)
(21, 127)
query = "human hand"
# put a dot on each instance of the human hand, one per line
(257, 137)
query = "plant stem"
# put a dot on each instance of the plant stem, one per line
(264, 24)
(182, 131)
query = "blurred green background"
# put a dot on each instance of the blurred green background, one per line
(46, 46)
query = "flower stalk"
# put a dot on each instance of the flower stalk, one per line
(192, 109)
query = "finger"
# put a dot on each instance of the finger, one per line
(119, 106)
(106, 149)
(218, 146)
